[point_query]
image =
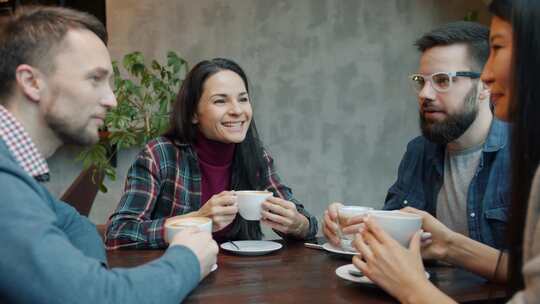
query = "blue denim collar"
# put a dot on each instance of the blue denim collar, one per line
(497, 136)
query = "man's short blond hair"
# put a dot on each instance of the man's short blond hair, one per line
(33, 35)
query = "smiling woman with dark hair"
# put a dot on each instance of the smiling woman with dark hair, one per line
(211, 149)
(511, 73)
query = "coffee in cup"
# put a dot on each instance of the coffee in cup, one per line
(249, 203)
(173, 226)
(399, 225)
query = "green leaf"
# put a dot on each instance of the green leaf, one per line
(471, 16)
(156, 66)
(102, 188)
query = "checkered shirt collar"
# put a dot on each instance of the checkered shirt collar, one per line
(21, 146)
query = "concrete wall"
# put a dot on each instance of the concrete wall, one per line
(328, 79)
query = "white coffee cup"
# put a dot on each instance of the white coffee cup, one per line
(249, 203)
(399, 225)
(345, 213)
(173, 226)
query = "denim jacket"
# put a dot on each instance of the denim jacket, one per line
(420, 178)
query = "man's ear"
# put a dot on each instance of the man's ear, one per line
(29, 80)
(483, 91)
(195, 119)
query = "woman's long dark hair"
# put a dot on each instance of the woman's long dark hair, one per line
(524, 113)
(248, 163)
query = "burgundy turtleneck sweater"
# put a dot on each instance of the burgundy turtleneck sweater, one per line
(215, 160)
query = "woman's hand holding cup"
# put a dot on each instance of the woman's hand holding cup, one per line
(282, 216)
(221, 208)
(397, 269)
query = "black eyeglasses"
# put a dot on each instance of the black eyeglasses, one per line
(440, 81)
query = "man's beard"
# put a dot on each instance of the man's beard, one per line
(68, 134)
(68, 130)
(454, 125)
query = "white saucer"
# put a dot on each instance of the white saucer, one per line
(331, 248)
(252, 247)
(343, 272)
(214, 267)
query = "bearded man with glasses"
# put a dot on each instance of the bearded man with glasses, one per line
(458, 169)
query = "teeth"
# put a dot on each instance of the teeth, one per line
(232, 124)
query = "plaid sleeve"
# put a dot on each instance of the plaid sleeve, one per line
(273, 184)
(131, 225)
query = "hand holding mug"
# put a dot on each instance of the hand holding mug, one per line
(283, 216)
(331, 225)
(202, 245)
(441, 236)
(342, 222)
(221, 208)
(386, 262)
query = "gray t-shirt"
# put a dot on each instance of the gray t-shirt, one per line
(459, 169)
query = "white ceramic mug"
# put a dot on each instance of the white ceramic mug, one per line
(173, 226)
(399, 225)
(345, 213)
(249, 203)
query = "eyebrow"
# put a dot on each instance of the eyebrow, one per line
(219, 95)
(495, 36)
(99, 72)
(225, 95)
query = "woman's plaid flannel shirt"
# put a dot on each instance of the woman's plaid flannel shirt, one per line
(165, 181)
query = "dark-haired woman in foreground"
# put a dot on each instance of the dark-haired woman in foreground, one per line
(211, 148)
(512, 76)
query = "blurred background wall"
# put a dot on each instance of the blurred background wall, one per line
(328, 82)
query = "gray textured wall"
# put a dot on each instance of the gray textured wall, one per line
(328, 80)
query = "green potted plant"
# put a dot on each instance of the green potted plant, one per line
(144, 101)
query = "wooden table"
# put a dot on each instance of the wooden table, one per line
(296, 274)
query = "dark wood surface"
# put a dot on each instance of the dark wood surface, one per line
(296, 274)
